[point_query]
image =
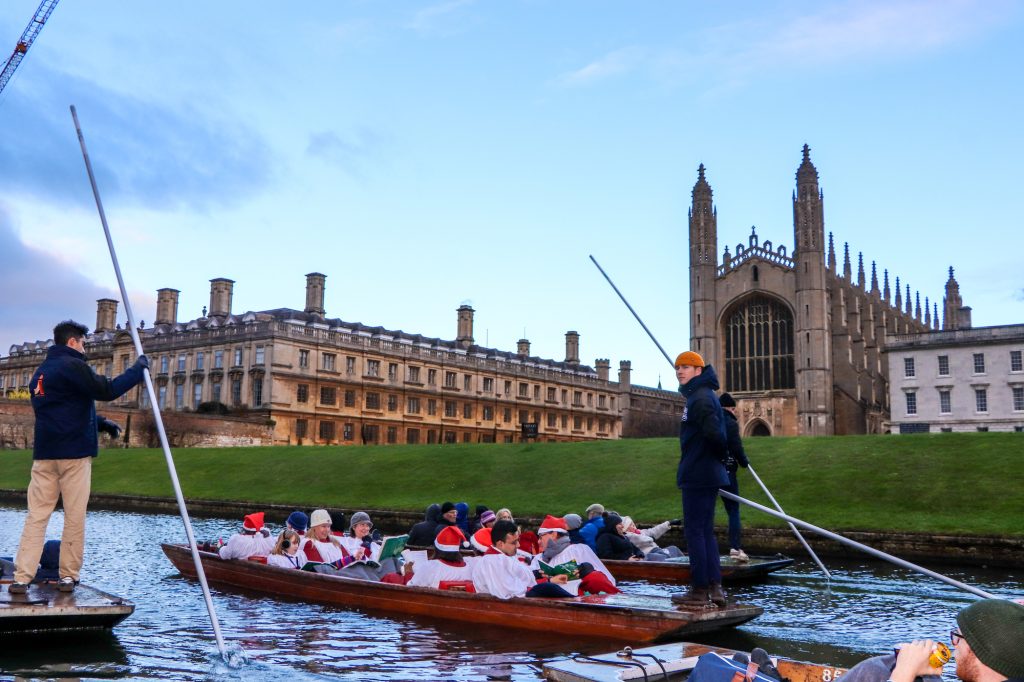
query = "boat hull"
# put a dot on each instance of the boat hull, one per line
(618, 617)
(46, 609)
(733, 571)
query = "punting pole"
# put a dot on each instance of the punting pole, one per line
(749, 468)
(856, 545)
(152, 396)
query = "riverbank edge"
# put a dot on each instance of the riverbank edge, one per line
(965, 550)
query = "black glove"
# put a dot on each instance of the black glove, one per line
(675, 522)
(744, 464)
(142, 361)
(265, 532)
(108, 427)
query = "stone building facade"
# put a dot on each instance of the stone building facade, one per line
(320, 380)
(797, 340)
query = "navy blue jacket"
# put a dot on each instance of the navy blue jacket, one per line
(64, 394)
(735, 444)
(702, 439)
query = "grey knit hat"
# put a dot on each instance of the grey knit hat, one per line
(994, 628)
(573, 521)
(359, 517)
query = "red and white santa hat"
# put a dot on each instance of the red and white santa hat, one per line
(553, 524)
(450, 539)
(253, 522)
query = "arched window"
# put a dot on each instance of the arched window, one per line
(759, 346)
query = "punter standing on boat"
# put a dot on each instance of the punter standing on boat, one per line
(701, 472)
(737, 458)
(64, 394)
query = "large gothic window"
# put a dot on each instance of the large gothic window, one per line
(759, 346)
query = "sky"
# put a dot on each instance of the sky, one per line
(424, 155)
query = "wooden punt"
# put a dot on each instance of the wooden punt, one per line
(667, 661)
(45, 609)
(678, 570)
(622, 617)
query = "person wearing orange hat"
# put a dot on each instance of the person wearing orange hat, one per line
(254, 540)
(448, 564)
(701, 472)
(556, 548)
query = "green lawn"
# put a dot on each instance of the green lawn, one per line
(969, 483)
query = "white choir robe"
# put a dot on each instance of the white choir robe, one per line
(353, 545)
(243, 546)
(579, 553)
(328, 550)
(297, 560)
(503, 576)
(430, 573)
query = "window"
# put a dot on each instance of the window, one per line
(450, 408)
(590, 423)
(981, 399)
(601, 402)
(908, 367)
(488, 413)
(450, 380)
(197, 395)
(508, 388)
(1015, 361)
(162, 397)
(488, 385)
(373, 401)
(577, 398)
(943, 365)
(200, 357)
(303, 358)
(590, 400)
(945, 402)
(565, 396)
(449, 436)
(467, 382)
(350, 398)
(181, 363)
(392, 402)
(236, 391)
(350, 366)
(218, 359)
(392, 434)
(326, 430)
(552, 420)
(392, 371)
(328, 361)
(536, 392)
(524, 416)
(524, 390)
(507, 415)
(215, 391)
(328, 395)
(414, 375)
(347, 431)
(302, 393)
(179, 396)
(467, 410)
(759, 345)
(432, 377)
(373, 368)
(371, 433)
(257, 392)
(412, 436)
(577, 423)
(911, 402)
(551, 394)
(412, 405)
(238, 357)
(301, 428)
(979, 363)
(601, 425)
(431, 436)
(565, 421)
(431, 406)
(1018, 398)
(164, 364)
(466, 437)
(260, 352)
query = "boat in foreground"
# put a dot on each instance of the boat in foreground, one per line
(678, 570)
(45, 609)
(621, 616)
(667, 662)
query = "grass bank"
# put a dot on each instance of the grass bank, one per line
(969, 483)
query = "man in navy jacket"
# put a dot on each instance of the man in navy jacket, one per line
(64, 394)
(701, 472)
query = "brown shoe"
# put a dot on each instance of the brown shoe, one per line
(694, 596)
(717, 595)
(67, 584)
(18, 588)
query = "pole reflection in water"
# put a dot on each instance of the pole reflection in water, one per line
(865, 610)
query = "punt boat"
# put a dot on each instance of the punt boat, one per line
(620, 616)
(678, 570)
(46, 609)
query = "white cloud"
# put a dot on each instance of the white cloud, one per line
(612, 64)
(433, 19)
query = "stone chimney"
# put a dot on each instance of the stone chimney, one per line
(106, 315)
(963, 316)
(465, 336)
(315, 282)
(603, 368)
(625, 367)
(572, 347)
(166, 306)
(221, 292)
(523, 347)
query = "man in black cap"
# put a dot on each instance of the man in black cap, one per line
(737, 458)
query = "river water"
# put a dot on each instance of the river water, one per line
(863, 610)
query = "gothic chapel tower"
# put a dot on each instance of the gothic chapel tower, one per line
(813, 353)
(703, 266)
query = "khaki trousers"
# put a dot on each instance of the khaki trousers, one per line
(70, 479)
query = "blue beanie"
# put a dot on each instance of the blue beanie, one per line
(298, 520)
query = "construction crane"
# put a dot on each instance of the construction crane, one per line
(31, 31)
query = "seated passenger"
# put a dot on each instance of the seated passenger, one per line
(556, 548)
(573, 523)
(481, 539)
(475, 523)
(447, 564)
(358, 541)
(298, 522)
(320, 545)
(612, 542)
(423, 533)
(501, 573)
(254, 540)
(593, 525)
(504, 514)
(644, 540)
(462, 518)
(286, 553)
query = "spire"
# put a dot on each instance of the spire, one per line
(874, 279)
(847, 272)
(807, 174)
(910, 308)
(831, 254)
(952, 303)
(885, 288)
(701, 188)
(935, 319)
(917, 305)
(898, 303)
(927, 313)
(860, 270)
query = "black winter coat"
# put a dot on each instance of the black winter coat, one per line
(611, 545)
(424, 532)
(737, 457)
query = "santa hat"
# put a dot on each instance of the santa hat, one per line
(481, 540)
(253, 522)
(450, 539)
(553, 524)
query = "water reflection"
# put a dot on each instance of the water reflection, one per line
(863, 610)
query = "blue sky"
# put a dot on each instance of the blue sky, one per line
(427, 154)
